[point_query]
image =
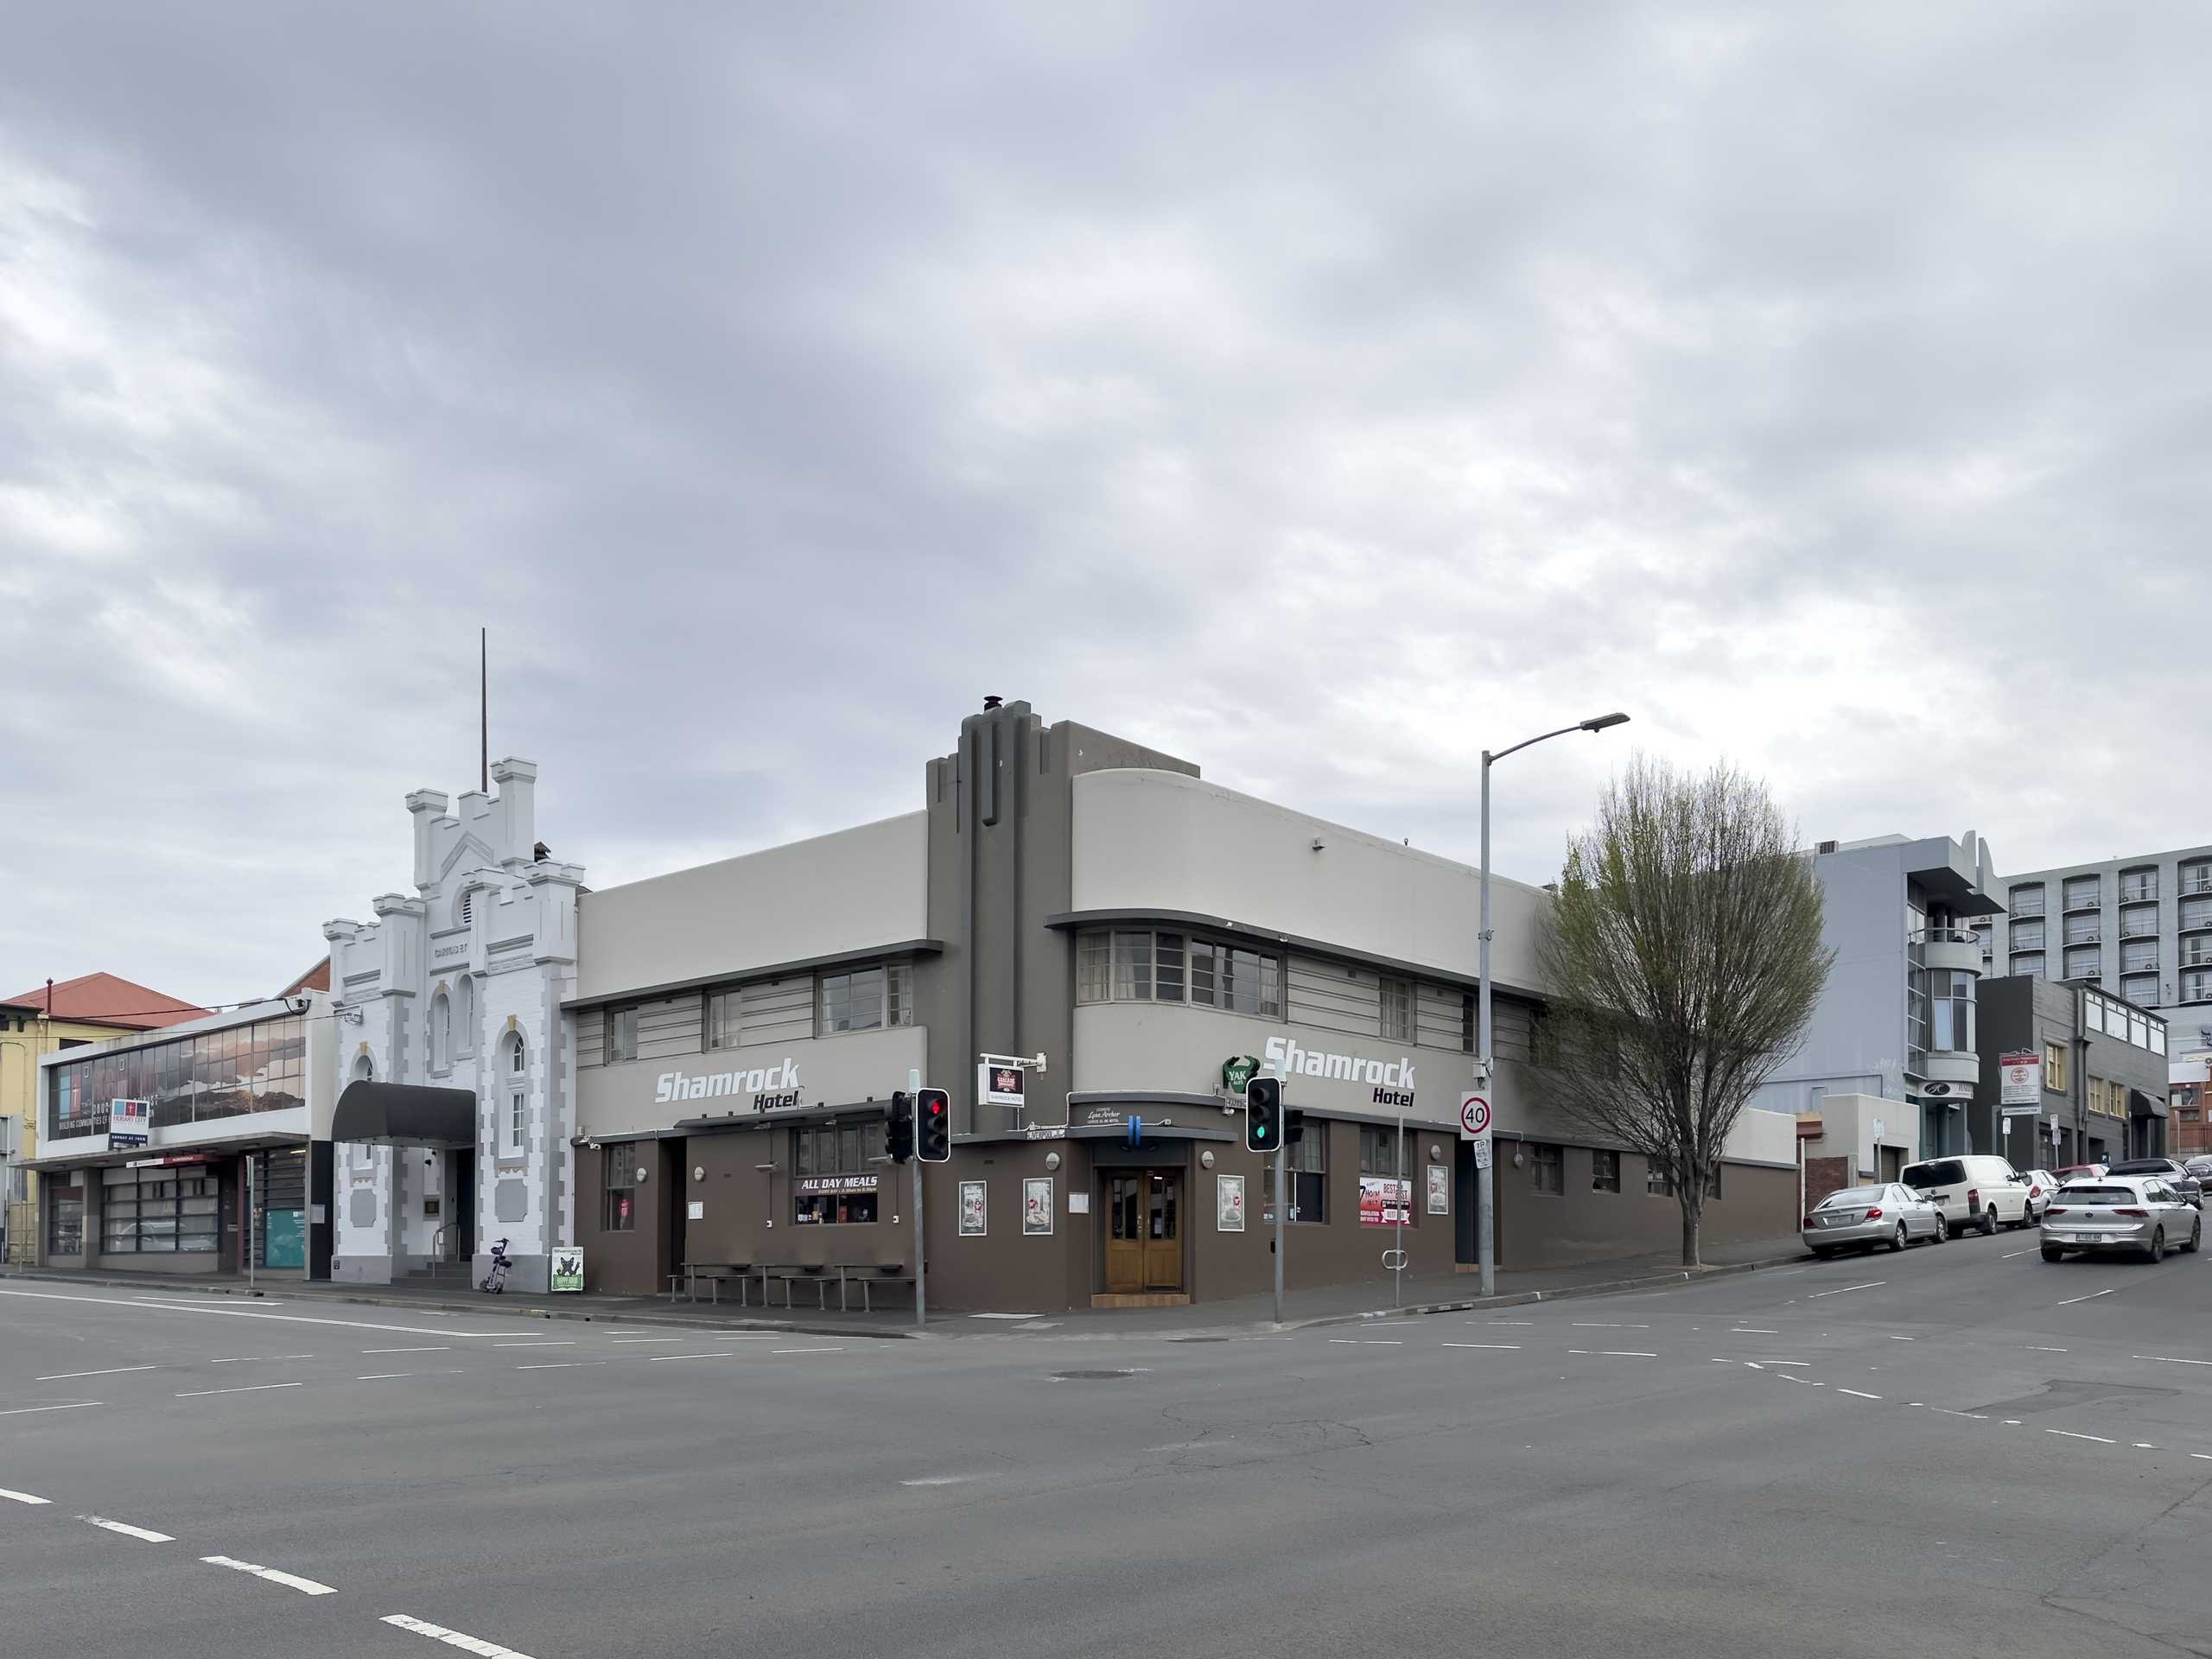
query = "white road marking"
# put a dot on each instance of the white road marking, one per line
(1383, 1342)
(382, 1377)
(1002, 1316)
(2207, 1456)
(1872, 1285)
(1860, 1393)
(1349, 1342)
(2071, 1435)
(454, 1638)
(1481, 1344)
(306, 1587)
(1745, 1331)
(251, 1387)
(658, 1338)
(2050, 1351)
(1627, 1353)
(2091, 1297)
(954, 1480)
(23, 1497)
(720, 1353)
(248, 1359)
(772, 1351)
(2167, 1359)
(1903, 1338)
(560, 1364)
(63, 1377)
(1601, 1324)
(127, 1530)
(765, 1336)
(568, 1342)
(1779, 1362)
(2009, 1254)
(408, 1351)
(243, 1313)
(2144, 1446)
(74, 1405)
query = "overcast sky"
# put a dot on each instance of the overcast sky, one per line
(1320, 394)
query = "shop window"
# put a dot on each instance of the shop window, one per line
(866, 999)
(833, 1173)
(1378, 1152)
(1604, 1171)
(620, 1181)
(158, 1213)
(1132, 966)
(1396, 997)
(1548, 1169)
(621, 1034)
(64, 1225)
(1306, 1170)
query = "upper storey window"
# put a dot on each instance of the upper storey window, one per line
(866, 999)
(1147, 965)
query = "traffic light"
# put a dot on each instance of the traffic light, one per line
(932, 1126)
(898, 1129)
(1263, 1114)
(1293, 1127)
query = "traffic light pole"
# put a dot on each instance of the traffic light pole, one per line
(1281, 1148)
(921, 1268)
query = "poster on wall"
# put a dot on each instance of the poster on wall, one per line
(129, 1122)
(1037, 1205)
(974, 1209)
(568, 1269)
(1439, 1190)
(1228, 1203)
(2023, 1079)
(1384, 1201)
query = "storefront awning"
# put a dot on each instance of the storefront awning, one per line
(404, 1114)
(2142, 1105)
(249, 1139)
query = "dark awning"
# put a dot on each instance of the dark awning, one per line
(404, 1114)
(2142, 1105)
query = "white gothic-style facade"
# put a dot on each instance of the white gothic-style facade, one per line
(458, 987)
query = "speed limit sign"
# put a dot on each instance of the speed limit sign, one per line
(1474, 1116)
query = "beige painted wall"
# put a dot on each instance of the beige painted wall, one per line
(850, 891)
(613, 1101)
(1160, 839)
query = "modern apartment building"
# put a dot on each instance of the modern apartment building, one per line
(2140, 928)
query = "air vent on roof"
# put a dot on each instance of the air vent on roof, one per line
(1826, 847)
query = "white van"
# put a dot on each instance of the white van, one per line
(1971, 1191)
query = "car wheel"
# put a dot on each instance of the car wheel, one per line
(1989, 1222)
(2052, 1253)
(1898, 1239)
(2156, 1250)
(2195, 1237)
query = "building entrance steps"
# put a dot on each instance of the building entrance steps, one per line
(1319, 1305)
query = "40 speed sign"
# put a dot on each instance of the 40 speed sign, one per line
(1474, 1116)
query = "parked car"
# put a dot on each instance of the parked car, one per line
(1865, 1216)
(2129, 1213)
(2041, 1185)
(2080, 1172)
(2201, 1167)
(2171, 1171)
(1971, 1191)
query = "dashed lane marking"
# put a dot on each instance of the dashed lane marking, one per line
(74, 1405)
(453, 1638)
(241, 1314)
(128, 1530)
(1875, 1284)
(2091, 1297)
(2032, 1349)
(2164, 1359)
(1860, 1393)
(1746, 1330)
(23, 1497)
(717, 1353)
(569, 1342)
(1483, 1345)
(250, 1387)
(2071, 1435)
(560, 1364)
(659, 1338)
(249, 1359)
(305, 1586)
(772, 1351)
(447, 1349)
(63, 1377)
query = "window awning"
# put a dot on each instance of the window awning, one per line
(404, 1114)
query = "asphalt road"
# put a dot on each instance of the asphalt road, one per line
(1962, 1450)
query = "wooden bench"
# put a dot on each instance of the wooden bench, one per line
(715, 1273)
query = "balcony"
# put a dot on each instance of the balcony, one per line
(1949, 947)
(2075, 907)
(2196, 881)
(2085, 935)
(2030, 907)
(2139, 927)
(1950, 1065)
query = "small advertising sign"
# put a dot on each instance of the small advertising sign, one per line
(1237, 1070)
(1384, 1201)
(1037, 1205)
(999, 1085)
(835, 1183)
(2023, 1079)
(568, 1265)
(129, 1122)
(1439, 1190)
(975, 1209)
(1228, 1203)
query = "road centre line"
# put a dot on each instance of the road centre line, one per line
(306, 1587)
(2167, 1359)
(251, 1387)
(454, 1638)
(560, 1364)
(1872, 1285)
(658, 1338)
(74, 1405)
(565, 1342)
(23, 1497)
(1860, 1393)
(63, 1377)
(2032, 1348)
(1601, 1324)
(407, 1350)
(248, 1359)
(772, 1351)
(2071, 1435)
(243, 1313)
(382, 1377)
(711, 1353)
(1903, 1338)
(1483, 1345)
(1746, 1330)
(1611, 1353)
(2091, 1297)
(128, 1530)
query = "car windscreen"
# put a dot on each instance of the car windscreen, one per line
(1944, 1172)
(2142, 1166)
(2088, 1195)
(1852, 1197)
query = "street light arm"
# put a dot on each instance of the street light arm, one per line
(1596, 723)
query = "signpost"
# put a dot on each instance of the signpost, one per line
(2022, 1076)
(1475, 1125)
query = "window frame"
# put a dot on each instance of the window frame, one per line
(1178, 967)
(1547, 1168)
(1604, 1170)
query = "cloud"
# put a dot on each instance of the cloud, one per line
(1322, 397)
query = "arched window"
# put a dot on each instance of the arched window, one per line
(518, 1094)
(365, 1070)
(464, 1017)
(441, 1033)
(517, 1059)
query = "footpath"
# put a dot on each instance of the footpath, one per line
(1327, 1305)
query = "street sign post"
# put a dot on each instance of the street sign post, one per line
(1474, 1116)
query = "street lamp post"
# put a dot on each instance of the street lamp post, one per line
(1486, 1232)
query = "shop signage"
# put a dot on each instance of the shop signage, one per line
(774, 1088)
(834, 1184)
(999, 1085)
(129, 1122)
(1391, 1076)
(167, 1163)
(1237, 1070)
(1384, 1201)
(1104, 1117)
(567, 1267)
(1228, 1203)
(2023, 1079)
(447, 952)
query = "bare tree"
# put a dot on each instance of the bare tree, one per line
(1684, 958)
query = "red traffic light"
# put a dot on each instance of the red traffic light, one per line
(933, 1127)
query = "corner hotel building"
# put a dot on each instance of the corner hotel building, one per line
(738, 1029)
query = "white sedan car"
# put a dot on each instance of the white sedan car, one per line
(2121, 1212)
(1865, 1216)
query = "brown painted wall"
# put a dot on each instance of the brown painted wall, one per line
(1824, 1176)
(635, 1263)
(1581, 1224)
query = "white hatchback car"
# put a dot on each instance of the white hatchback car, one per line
(2121, 1212)
(1971, 1191)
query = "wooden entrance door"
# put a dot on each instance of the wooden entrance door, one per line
(1144, 1232)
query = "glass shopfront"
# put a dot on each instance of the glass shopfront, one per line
(261, 1067)
(160, 1212)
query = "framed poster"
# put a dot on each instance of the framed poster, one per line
(975, 1209)
(1439, 1190)
(1037, 1204)
(567, 1269)
(1384, 1201)
(1228, 1203)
